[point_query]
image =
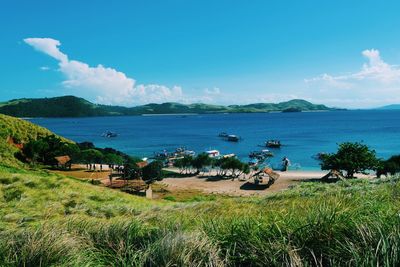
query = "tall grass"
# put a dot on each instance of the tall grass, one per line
(49, 220)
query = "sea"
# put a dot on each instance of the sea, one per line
(303, 134)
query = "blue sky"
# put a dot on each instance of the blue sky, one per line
(340, 53)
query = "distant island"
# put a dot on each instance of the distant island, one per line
(71, 106)
(390, 107)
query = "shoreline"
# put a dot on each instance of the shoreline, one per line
(213, 185)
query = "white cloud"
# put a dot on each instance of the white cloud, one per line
(376, 70)
(48, 46)
(106, 85)
(376, 83)
(44, 68)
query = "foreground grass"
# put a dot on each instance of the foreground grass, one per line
(58, 221)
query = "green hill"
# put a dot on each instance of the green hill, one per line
(70, 106)
(14, 132)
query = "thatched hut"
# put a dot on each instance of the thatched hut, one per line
(63, 162)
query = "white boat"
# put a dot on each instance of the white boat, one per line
(213, 153)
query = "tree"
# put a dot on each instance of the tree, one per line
(351, 158)
(45, 149)
(70, 149)
(201, 161)
(152, 172)
(113, 159)
(232, 165)
(86, 145)
(390, 166)
(90, 156)
(131, 170)
(184, 164)
(35, 150)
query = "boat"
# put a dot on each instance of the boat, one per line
(109, 134)
(189, 153)
(233, 138)
(273, 143)
(162, 155)
(229, 137)
(213, 153)
(261, 155)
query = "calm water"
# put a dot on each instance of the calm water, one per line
(303, 134)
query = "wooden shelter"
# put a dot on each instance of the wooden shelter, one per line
(63, 161)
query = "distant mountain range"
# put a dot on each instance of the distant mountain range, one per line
(390, 107)
(71, 106)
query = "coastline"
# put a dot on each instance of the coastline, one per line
(244, 187)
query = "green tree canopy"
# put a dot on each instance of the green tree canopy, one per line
(351, 158)
(91, 156)
(152, 172)
(201, 161)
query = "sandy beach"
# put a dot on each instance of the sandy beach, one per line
(238, 187)
(211, 185)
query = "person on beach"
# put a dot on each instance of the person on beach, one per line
(285, 163)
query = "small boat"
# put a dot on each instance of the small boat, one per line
(233, 138)
(162, 155)
(273, 143)
(213, 153)
(109, 134)
(261, 155)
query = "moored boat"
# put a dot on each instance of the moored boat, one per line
(263, 154)
(109, 134)
(233, 138)
(213, 153)
(273, 143)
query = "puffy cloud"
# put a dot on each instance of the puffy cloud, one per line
(376, 83)
(376, 69)
(48, 46)
(106, 85)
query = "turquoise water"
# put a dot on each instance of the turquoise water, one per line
(302, 134)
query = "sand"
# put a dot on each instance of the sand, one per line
(210, 184)
(241, 188)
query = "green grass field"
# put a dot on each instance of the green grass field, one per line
(52, 220)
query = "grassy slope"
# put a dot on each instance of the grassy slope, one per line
(20, 130)
(57, 221)
(29, 197)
